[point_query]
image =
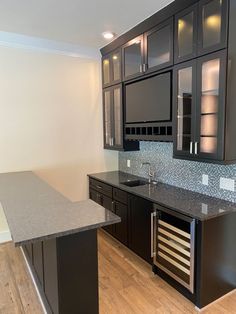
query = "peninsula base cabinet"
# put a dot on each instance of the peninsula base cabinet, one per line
(65, 270)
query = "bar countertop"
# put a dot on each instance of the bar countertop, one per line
(196, 205)
(36, 212)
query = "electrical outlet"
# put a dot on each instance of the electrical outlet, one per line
(128, 163)
(227, 184)
(205, 179)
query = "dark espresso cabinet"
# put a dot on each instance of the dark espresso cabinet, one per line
(150, 52)
(113, 120)
(199, 108)
(192, 252)
(110, 199)
(158, 51)
(140, 235)
(111, 68)
(133, 58)
(213, 25)
(186, 26)
(201, 29)
(193, 40)
(134, 230)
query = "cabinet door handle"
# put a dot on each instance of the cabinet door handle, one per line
(141, 68)
(144, 67)
(113, 206)
(112, 141)
(191, 148)
(196, 148)
(99, 187)
(153, 215)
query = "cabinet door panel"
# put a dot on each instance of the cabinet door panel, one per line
(116, 67)
(211, 107)
(106, 71)
(133, 58)
(159, 47)
(108, 204)
(213, 25)
(184, 108)
(107, 117)
(50, 272)
(118, 116)
(186, 34)
(121, 229)
(140, 226)
(29, 251)
(38, 260)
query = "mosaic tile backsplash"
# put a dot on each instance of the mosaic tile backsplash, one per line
(181, 173)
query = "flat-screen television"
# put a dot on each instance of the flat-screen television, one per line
(149, 100)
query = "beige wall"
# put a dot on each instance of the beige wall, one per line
(51, 119)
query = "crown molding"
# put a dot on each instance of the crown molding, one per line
(19, 41)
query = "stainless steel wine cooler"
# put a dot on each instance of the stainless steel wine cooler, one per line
(173, 245)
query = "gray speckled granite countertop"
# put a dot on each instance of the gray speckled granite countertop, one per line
(35, 211)
(196, 205)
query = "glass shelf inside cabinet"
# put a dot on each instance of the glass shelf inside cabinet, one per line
(184, 109)
(209, 106)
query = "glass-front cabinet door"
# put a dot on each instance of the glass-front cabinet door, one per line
(111, 68)
(210, 118)
(159, 47)
(213, 23)
(184, 108)
(133, 58)
(113, 117)
(186, 34)
(107, 117)
(118, 116)
(106, 71)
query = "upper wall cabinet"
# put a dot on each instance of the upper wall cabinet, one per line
(213, 25)
(158, 47)
(201, 29)
(113, 120)
(133, 58)
(150, 52)
(199, 107)
(186, 34)
(111, 68)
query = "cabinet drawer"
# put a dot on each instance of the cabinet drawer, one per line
(101, 187)
(120, 196)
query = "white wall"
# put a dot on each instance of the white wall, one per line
(51, 119)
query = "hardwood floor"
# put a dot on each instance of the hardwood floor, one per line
(126, 283)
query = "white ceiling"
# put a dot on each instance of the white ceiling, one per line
(79, 22)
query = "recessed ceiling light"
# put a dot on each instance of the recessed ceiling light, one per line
(108, 35)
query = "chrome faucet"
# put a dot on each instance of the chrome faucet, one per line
(150, 173)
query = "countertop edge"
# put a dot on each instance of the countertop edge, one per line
(65, 233)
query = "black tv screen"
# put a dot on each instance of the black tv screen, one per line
(149, 100)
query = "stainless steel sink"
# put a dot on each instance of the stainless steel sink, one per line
(134, 183)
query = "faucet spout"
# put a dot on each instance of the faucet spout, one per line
(150, 172)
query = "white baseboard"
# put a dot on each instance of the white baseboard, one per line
(5, 236)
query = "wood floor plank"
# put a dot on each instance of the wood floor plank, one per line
(126, 285)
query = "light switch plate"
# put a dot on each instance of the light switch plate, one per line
(128, 163)
(227, 184)
(205, 179)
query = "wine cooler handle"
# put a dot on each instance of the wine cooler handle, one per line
(153, 215)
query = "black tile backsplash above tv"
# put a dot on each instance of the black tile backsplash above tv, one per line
(181, 173)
